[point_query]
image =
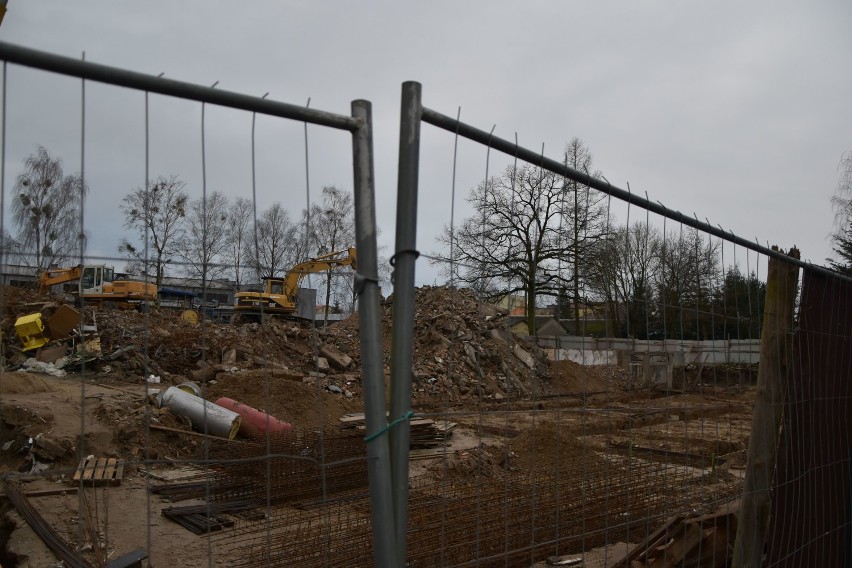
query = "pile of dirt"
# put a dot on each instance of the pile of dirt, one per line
(165, 343)
(463, 349)
(471, 463)
(23, 383)
(548, 445)
(572, 378)
(304, 404)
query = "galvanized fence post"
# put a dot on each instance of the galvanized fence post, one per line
(405, 256)
(367, 288)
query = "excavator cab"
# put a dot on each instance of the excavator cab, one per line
(93, 278)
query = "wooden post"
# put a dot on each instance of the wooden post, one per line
(775, 352)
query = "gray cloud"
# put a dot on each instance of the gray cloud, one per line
(738, 112)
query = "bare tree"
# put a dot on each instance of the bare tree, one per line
(584, 222)
(685, 283)
(841, 202)
(46, 211)
(203, 240)
(333, 229)
(278, 243)
(238, 231)
(622, 269)
(157, 212)
(512, 237)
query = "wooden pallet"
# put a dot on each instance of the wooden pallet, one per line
(100, 471)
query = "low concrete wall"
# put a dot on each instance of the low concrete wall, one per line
(605, 351)
(650, 361)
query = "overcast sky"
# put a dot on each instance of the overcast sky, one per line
(736, 111)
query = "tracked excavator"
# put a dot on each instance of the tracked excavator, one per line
(279, 296)
(96, 284)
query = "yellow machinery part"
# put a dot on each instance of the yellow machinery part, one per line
(189, 316)
(30, 330)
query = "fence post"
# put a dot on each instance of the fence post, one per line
(372, 370)
(405, 256)
(775, 352)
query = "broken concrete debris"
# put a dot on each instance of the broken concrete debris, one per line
(462, 349)
(336, 357)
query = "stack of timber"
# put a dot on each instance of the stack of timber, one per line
(689, 541)
(428, 438)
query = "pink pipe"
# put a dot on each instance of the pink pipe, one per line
(254, 421)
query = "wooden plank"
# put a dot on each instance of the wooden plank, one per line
(178, 474)
(719, 515)
(651, 542)
(714, 549)
(119, 473)
(100, 471)
(429, 453)
(675, 554)
(110, 468)
(84, 470)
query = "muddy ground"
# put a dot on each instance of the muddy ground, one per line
(502, 393)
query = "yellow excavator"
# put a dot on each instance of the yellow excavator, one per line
(96, 284)
(278, 298)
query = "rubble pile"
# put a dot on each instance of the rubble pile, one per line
(463, 349)
(171, 345)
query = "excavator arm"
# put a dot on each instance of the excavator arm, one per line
(322, 263)
(56, 276)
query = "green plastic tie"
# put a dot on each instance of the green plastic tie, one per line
(407, 416)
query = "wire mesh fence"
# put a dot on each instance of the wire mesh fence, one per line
(136, 393)
(583, 385)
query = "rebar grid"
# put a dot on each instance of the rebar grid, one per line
(465, 520)
(292, 466)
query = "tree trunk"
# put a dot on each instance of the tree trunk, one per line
(327, 296)
(531, 305)
(576, 259)
(775, 353)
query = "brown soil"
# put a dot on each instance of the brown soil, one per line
(23, 383)
(302, 404)
(516, 410)
(573, 378)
